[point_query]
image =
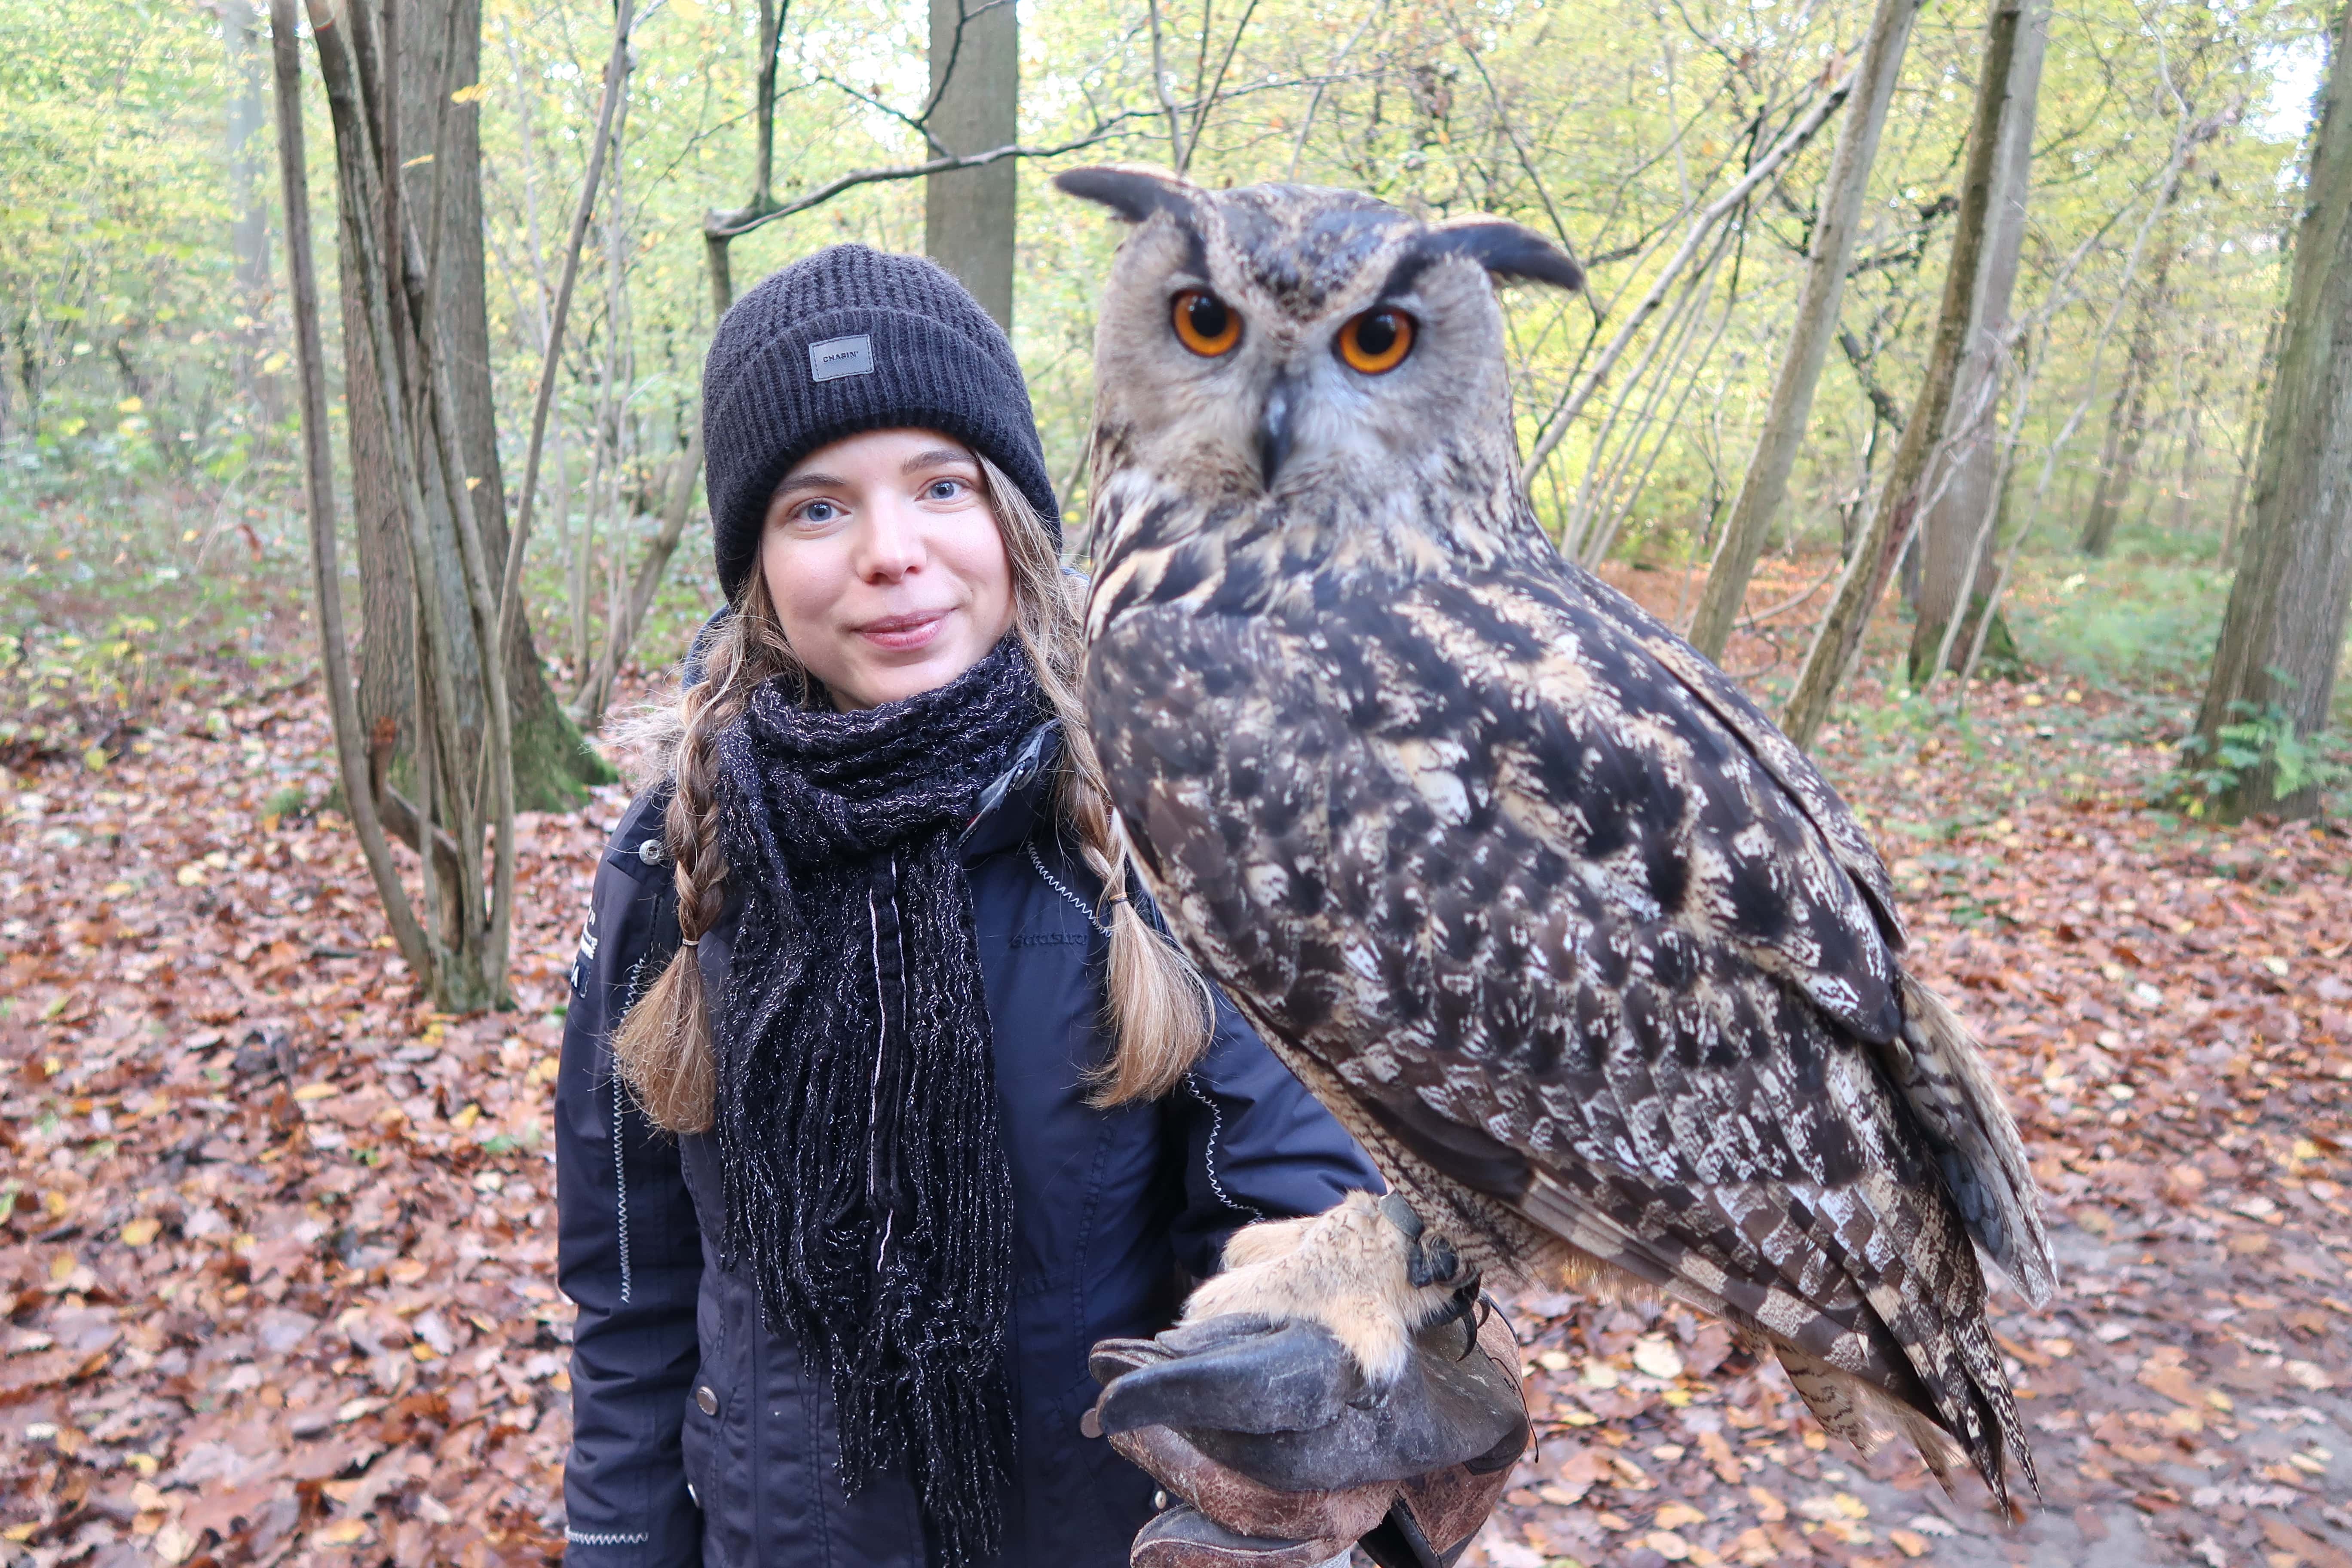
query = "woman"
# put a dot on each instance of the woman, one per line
(912, 1103)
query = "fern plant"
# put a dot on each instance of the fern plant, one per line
(2259, 736)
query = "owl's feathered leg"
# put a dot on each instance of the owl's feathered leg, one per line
(1367, 1270)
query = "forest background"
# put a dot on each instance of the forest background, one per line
(274, 1275)
(149, 389)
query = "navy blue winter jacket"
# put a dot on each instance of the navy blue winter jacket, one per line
(698, 1435)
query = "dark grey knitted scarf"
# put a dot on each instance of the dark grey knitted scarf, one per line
(866, 1179)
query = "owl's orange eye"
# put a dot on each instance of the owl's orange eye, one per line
(1376, 340)
(1205, 325)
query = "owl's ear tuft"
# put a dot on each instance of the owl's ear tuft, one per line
(1507, 250)
(1131, 192)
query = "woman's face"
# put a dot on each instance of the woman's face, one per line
(885, 564)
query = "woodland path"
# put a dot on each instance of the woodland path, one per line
(276, 1274)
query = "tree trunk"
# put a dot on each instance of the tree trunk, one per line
(318, 477)
(2192, 443)
(460, 719)
(2098, 523)
(2128, 425)
(2170, 429)
(2249, 439)
(967, 216)
(720, 228)
(248, 232)
(1766, 484)
(1896, 518)
(1955, 551)
(2284, 631)
(551, 763)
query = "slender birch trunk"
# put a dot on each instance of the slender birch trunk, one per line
(1955, 562)
(1896, 518)
(1766, 484)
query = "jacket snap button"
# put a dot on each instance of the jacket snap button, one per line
(706, 1401)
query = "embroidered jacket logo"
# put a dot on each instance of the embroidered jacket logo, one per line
(584, 957)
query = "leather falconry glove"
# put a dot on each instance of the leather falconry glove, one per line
(1273, 1452)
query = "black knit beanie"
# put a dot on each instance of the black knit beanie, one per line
(854, 338)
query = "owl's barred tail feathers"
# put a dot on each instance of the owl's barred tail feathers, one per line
(1870, 1294)
(1910, 1351)
(1968, 1409)
(1939, 1068)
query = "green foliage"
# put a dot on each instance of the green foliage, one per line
(110, 615)
(2124, 622)
(1605, 117)
(144, 386)
(136, 352)
(2261, 738)
(70, 694)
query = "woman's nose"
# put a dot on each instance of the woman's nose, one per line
(891, 543)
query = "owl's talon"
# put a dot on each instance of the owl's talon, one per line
(1462, 1308)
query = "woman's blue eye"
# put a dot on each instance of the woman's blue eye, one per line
(818, 512)
(946, 489)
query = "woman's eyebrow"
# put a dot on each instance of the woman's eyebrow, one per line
(811, 483)
(937, 456)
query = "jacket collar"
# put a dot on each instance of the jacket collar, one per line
(1011, 805)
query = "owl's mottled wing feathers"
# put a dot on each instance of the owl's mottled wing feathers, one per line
(1773, 751)
(1470, 849)
(1932, 1059)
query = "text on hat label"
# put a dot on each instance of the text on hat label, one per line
(837, 357)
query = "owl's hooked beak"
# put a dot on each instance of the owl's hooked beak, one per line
(1276, 423)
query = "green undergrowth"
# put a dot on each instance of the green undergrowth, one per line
(122, 596)
(2141, 623)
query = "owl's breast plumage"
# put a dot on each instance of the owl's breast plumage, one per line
(1470, 849)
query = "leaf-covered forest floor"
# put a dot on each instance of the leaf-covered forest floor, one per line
(276, 1271)
(2169, 1011)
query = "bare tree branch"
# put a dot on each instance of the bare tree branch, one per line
(1578, 393)
(616, 72)
(733, 225)
(1176, 155)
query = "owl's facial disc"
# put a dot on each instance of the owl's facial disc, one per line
(1368, 388)
(1272, 343)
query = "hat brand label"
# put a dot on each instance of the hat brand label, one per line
(837, 357)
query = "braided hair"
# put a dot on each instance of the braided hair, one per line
(1159, 1009)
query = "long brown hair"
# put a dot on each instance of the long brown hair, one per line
(1158, 1007)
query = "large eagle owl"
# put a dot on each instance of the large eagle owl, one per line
(1594, 963)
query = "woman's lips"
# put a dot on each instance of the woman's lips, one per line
(902, 633)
